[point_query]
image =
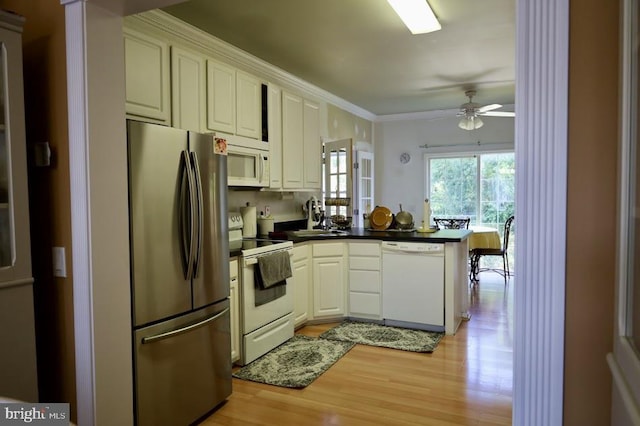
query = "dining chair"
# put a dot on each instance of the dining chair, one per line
(502, 252)
(452, 223)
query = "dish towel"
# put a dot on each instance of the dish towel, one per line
(274, 268)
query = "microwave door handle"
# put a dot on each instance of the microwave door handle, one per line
(199, 213)
(187, 213)
(261, 168)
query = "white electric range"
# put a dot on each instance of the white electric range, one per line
(266, 315)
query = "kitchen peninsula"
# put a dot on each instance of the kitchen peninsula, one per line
(343, 274)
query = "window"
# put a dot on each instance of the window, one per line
(480, 186)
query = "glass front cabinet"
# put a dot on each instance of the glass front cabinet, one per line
(18, 372)
(15, 263)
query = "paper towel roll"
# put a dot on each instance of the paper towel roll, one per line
(249, 229)
(426, 214)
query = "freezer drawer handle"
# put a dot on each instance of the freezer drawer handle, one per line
(191, 327)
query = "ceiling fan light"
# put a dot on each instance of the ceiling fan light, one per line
(470, 123)
(463, 124)
(416, 15)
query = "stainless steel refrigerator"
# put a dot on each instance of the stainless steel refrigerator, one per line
(179, 274)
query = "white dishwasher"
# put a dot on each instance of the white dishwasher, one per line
(413, 285)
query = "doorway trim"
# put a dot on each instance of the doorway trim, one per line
(541, 168)
(541, 143)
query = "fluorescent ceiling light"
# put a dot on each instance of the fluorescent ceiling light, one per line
(416, 15)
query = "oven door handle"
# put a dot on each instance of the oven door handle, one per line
(254, 260)
(251, 261)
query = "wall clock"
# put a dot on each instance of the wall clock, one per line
(405, 158)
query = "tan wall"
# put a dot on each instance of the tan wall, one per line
(49, 197)
(591, 222)
(343, 125)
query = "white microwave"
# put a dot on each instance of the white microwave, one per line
(247, 162)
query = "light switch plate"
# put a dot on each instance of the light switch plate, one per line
(59, 262)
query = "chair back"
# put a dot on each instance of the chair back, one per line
(452, 223)
(507, 232)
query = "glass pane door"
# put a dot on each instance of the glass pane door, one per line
(364, 196)
(6, 216)
(338, 176)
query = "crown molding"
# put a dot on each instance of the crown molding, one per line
(180, 30)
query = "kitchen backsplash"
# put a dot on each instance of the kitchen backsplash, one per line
(285, 206)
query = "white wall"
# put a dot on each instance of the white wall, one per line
(404, 183)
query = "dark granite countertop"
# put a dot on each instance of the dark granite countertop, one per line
(441, 236)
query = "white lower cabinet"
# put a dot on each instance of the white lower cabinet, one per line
(234, 304)
(329, 280)
(301, 270)
(365, 280)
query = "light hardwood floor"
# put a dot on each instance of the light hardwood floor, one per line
(466, 381)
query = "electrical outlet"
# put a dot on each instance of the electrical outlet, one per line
(267, 211)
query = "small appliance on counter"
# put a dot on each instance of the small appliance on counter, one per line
(315, 214)
(265, 225)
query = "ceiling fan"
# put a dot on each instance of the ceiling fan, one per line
(471, 112)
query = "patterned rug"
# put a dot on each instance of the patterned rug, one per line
(296, 363)
(385, 336)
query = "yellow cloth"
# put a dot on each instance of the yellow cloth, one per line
(484, 237)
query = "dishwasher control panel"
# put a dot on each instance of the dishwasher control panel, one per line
(412, 247)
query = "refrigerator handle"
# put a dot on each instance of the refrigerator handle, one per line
(186, 329)
(199, 213)
(187, 218)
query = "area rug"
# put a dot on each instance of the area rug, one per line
(385, 336)
(296, 363)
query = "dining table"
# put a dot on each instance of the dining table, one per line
(483, 237)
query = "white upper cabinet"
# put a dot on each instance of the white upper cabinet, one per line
(221, 97)
(312, 146)
(274, 120)
(301, 145)
(248, 106)
(292, 147)
(147, 77)
(187, 90)
(234, 101)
